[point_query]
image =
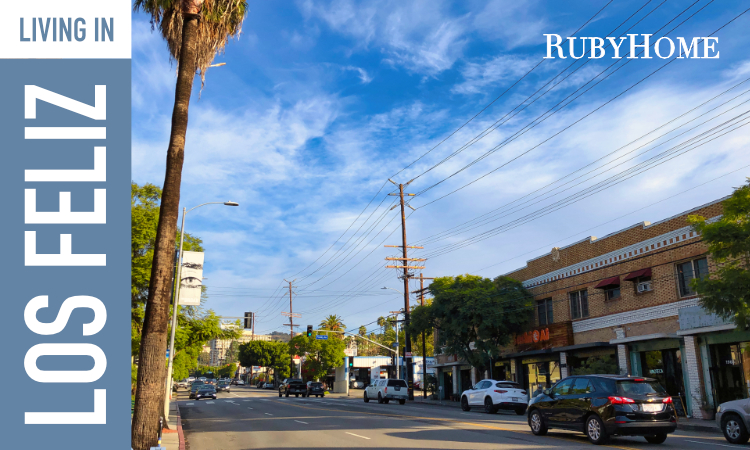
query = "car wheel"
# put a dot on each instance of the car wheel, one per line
(489, 408)
(380, 398)
(536, 422)
(279, 394)
(595, 430)
(520, 411)
(465, 404)
(734, 429)
(402, 402)
(656, 439)
(386, 400)
(287, 395)
(367, 399)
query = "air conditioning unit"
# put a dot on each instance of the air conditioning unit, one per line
(644, 286)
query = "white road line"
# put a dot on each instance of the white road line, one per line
(268, 414)
(720, 445)
(229, 401)
(245, 400)
(299, 421)
(189, 404)
(209, 403)
(356, 435)
(249, 407)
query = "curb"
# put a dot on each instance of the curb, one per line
(702, 428)
(180, 434)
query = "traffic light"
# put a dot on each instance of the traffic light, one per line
(248, 320)
(309, 331)
(351, 361)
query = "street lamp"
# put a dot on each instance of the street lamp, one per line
(393, 290)
(177, 299)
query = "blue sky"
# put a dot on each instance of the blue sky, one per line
(321, 102)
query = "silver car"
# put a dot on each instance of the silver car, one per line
(734, 420)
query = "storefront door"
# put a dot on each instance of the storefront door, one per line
(727, 376)
(447, 383)
(540, 375)
(666, 367)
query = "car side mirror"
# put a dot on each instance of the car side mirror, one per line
(548, 392)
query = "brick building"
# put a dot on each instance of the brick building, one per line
(622, 303)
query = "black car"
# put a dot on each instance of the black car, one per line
(194, 387)
(223, 386)
(206, 391)
(601, 406)
(315, 388)
(293, 386)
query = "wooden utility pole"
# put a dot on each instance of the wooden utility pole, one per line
(424, 340)
(291, 316)
(406, 275)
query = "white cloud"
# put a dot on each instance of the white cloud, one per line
(480, 75)
(363, 76)
(512, 22)
(419, 35)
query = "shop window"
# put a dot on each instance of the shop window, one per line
(544, 311)
(687, 271)
(612, 293)
(579, 304)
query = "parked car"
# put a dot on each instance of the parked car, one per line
(494, 395)
(203, 379)
(259, 384)
(191, 379)
(294, 386)
(386, 390)
(223, 386)
(356, 384)
(206, 391)
(239, 382)
(315, 388)
(182, 384)
(601, 406)
(268, 385)
(734, 420)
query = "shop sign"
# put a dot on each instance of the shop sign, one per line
(693, 317)
(535, 336)
(655, 371)
(731, 362)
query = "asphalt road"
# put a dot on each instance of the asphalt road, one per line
(249, 418)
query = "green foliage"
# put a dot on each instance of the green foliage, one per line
(333, 323)
(597, 365)
(322, 355)
(271, 354)
(228, 370)
(191, 334)
(476, 316)
(727, 290)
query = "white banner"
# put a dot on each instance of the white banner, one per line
(192, 279)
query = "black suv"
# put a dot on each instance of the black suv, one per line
(294, 386)
(605, 405)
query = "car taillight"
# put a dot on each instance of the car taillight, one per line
(620, 400)
(386, 389)
(500, 391)
(523, 392)
(667, 400)
(639, 380)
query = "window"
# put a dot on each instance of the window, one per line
(563, 387)
(579, 304)
(697, 268)
(612, 293)
(581, 386)
(484, 384)
(544, 311)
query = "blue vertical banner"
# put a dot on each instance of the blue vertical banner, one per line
(65, 176)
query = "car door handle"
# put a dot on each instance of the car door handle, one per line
(588, 399)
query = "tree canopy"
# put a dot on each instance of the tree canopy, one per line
(266, 354)
(726, 291)
(320, 355)
(475, 316)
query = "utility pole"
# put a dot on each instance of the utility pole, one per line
(398, 346)
(291, 316)
(424, 340)
(406, 275)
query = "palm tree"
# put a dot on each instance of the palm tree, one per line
(333, 323)
(193, 43)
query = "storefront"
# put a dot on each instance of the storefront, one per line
(730, 371)
(540, 373)
(501, 371)
(660, 357)
(599, 358)
(537, 358)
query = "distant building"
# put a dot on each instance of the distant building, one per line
(218, 347)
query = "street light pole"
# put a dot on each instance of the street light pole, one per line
(176, 301)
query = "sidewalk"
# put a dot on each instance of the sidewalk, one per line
(172, 437)
(705, 426)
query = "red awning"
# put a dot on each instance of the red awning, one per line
(609, 282)
(638, 274)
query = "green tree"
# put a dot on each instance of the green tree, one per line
(228, 370)
(726, 291)
(333, 323)
(195, 31)
(476, 316)
(320, 355)
(274, 355)
(192, 333)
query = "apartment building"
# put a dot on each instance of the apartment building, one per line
(622, 303)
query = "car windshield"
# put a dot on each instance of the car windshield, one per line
(508, 385)
(640, 388)
(316, 384)
(401, 383)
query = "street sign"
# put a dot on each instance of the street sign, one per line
(167, 353)
(408, 354)
(321, 337)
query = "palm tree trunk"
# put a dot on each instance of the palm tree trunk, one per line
(149, 396)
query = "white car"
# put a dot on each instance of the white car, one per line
(386, 390)
(494, 395)
(356, 384)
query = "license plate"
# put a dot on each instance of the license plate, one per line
(515, 399)
(651, 407)
(398, 388)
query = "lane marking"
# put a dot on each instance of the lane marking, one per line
(189, 404)
(356, 435)
(249, 407)
(209, 403)
(268, 414)
(246, 400)
(720, 445)
(299, 421)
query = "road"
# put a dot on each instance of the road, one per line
(249, 418)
